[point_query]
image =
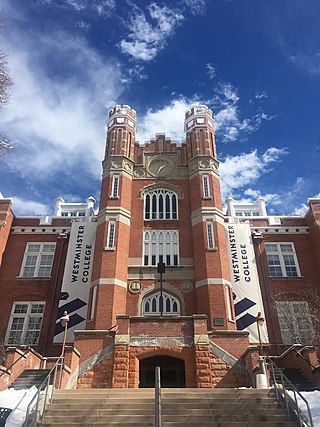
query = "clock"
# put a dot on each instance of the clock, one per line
(160, 167)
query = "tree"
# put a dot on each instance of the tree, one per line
(5, 85)
(299, 315)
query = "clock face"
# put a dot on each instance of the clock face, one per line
(160, 167)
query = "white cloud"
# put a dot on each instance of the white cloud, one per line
(211, 71)
(22, 206)
(146, 38)
(301, 210)
(55, 122)
(245, 169)
(229, 125)
(196, 6)
(169, 120)
(261, 95)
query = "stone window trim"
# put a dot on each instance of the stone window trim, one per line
(151, 304)
(115, 186)
(210, 236)
(161, 246)
(38, 260)
(160, 204)
(282, 260)
(25, 323)
(206, 187)
(111, 236)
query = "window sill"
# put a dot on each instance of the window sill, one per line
(109, 249)
(212, 249)
(114, 197)
(34, 278)
(160, 219)
(286, 277)
(207, 198)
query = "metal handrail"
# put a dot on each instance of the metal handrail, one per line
(157, 397)
(8, 370)
(283, 395)
(34, 406)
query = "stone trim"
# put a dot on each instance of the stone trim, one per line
(117, 213)
(106, 281)
(213, 281)
(207, 214)
(161, 341)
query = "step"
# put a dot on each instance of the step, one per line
(175, 424)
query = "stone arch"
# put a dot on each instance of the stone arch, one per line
(183, 353)
(170, 289)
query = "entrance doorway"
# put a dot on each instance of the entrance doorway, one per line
(172, 372)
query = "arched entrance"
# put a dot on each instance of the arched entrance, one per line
(172, 371)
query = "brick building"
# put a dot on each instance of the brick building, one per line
(160, 207)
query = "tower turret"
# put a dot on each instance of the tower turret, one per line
(121, 132)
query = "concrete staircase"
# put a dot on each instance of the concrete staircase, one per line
(180, 407)
(30, 377)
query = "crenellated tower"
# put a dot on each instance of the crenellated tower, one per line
(109, 276)
(212, 276)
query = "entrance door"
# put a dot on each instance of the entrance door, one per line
(172, 372)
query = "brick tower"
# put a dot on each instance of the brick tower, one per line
(109, 276)
(212, 276)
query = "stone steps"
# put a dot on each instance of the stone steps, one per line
(180, 407)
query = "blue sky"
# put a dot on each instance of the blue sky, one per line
(255, 64)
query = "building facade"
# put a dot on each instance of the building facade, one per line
(161, 275)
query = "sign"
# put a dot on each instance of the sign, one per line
(76, 279)
(245, 281)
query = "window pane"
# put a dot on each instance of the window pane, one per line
(271, 248)
(286, 248)
(21, 308)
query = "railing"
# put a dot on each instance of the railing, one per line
(8, 370)
(281, 385)
(37, 406)
(157, 398)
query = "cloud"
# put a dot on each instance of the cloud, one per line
(29, 207)
(229, 125)
(238, 172)
(55, 120)
(196, 6)
(102, 7)
(147, 38)
(301, 210)
(211, 71)
(169, 120)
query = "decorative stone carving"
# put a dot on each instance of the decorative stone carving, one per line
(186, 286)
(139, 173)
(135, 286)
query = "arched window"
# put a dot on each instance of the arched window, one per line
(161, 246)
(160, 204)
(151, 305)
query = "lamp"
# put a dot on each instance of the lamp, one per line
(260, 322)
(64, 320)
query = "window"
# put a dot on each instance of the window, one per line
(229, 303)
(206, 186)
(115, 186)
(25, 323)
(160, 204)
(210, 236)
(111, 235)
(295, 322)
(161, 246)
(151, 305)
(282, 260)
(38, 260)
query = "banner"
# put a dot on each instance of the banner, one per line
(245, 281)
(76, 279)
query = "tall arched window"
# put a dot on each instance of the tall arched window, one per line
(151, 305)
(160, 204)
(161, 246)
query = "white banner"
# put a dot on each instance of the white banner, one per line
(245, 281)
(76, 279)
